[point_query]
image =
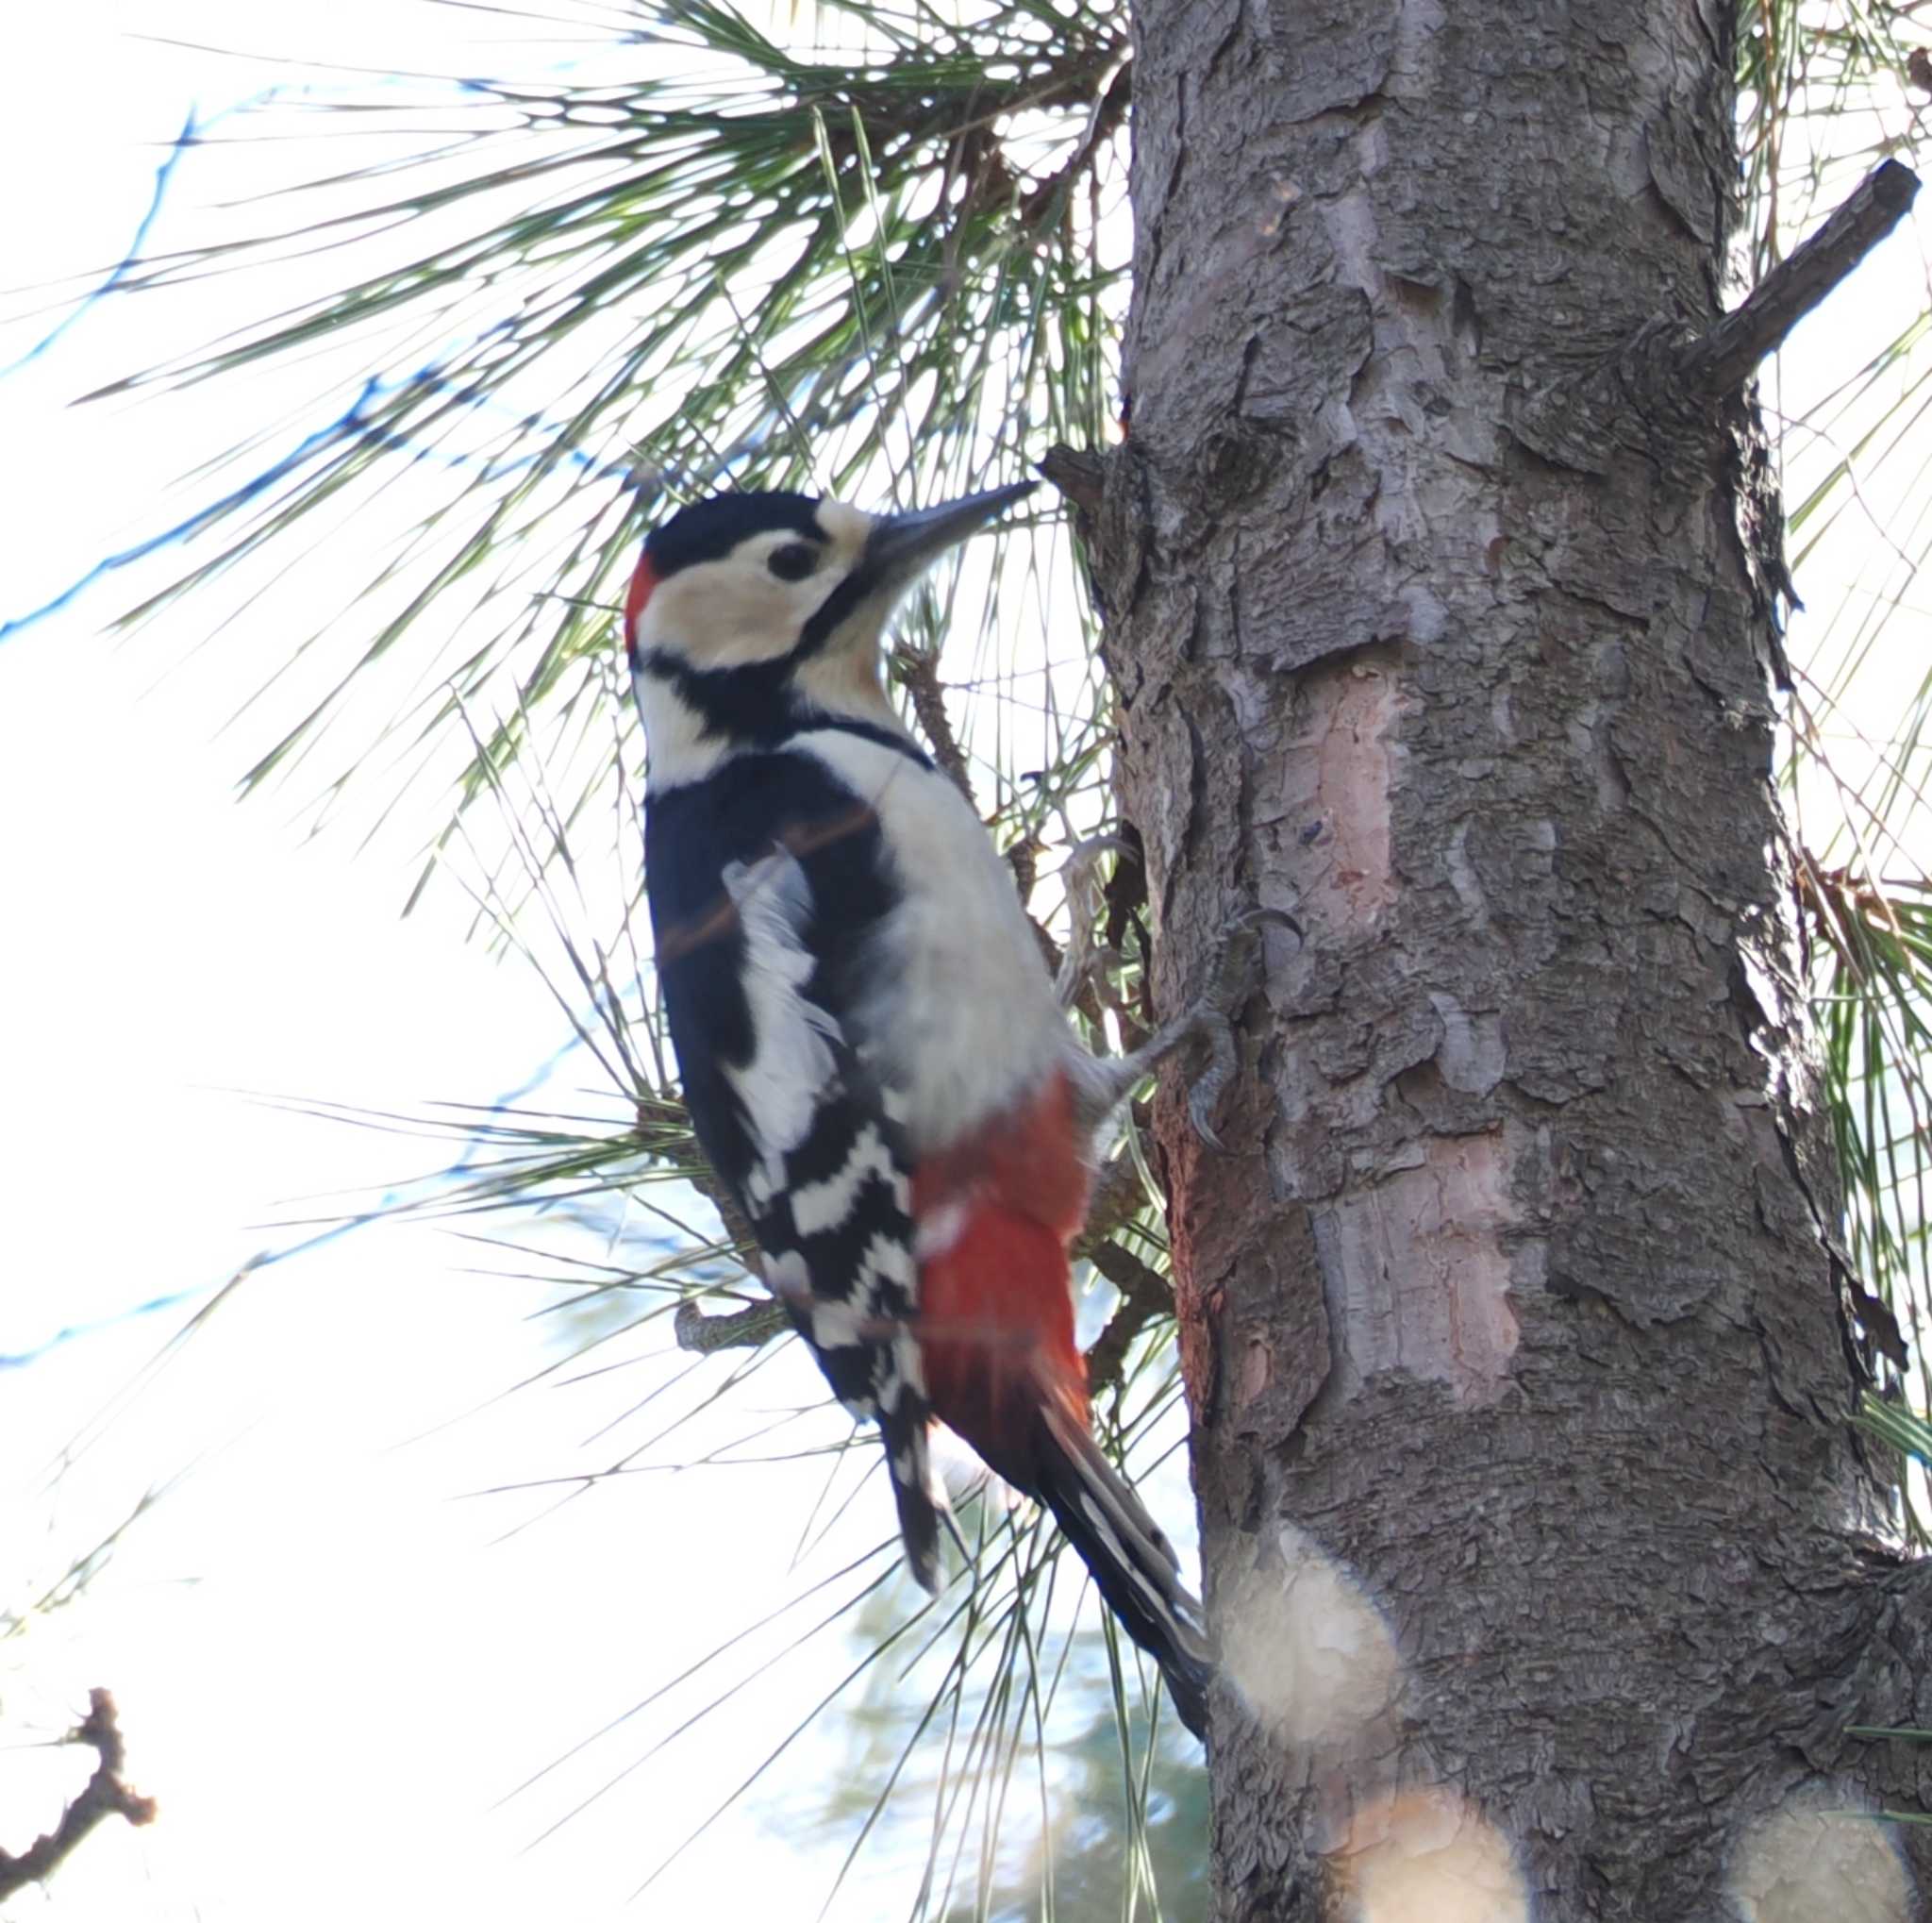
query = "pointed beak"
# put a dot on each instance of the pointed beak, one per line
(901, 549)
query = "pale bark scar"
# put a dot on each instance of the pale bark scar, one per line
(1416, 1274)
(1313, 1657)
(1355, 710)
(1256, 1371)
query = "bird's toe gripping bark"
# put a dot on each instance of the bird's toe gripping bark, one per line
(1236, 976)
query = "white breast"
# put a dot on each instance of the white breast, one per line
(967, 1020)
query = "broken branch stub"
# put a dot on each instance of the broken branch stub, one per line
(1727, 355)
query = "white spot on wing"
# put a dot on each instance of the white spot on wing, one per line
(787, 1277)
(819, 1206)
(909, 1362)
(836, 1325)
(904, 1372)
(888, 1261)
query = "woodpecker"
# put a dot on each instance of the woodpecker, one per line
(875, 1061)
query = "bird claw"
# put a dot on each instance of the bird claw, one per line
(1236, 976)
(1204, 1089)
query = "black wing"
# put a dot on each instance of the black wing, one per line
(757, 984)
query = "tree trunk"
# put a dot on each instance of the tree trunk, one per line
(1548, 1573)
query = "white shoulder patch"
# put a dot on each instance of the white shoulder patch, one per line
(791, 1066)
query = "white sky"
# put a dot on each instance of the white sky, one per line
(328, 1665)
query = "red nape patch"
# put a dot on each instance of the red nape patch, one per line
(995, 1315)
(641, 584)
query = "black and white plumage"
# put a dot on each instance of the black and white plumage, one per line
(799, 1130)
(875, 1062)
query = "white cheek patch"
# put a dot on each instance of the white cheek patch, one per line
(734, 611)
(724, 614)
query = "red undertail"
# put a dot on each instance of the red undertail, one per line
(995, 1214)
(995, 1217)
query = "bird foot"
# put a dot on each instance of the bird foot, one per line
(1234, 976)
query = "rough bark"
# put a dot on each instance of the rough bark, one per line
(1548, 1571)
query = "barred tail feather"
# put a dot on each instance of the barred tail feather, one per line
(1132, 1563)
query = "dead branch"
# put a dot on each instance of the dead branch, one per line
(920, 673)
(749, 1328)
(1078, 472)
(1144, 1297)
(1659, 396)
(104, 1794)
(1727, 354)
(1117, 1199)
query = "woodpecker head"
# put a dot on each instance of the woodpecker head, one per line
(748, 609)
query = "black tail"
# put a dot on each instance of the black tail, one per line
(1133, 1564)
(907, 1430)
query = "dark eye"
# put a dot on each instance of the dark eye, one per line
(793, 562)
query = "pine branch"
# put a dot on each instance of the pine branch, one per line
(920, 671)
(750, 1327)
(105, 1794)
